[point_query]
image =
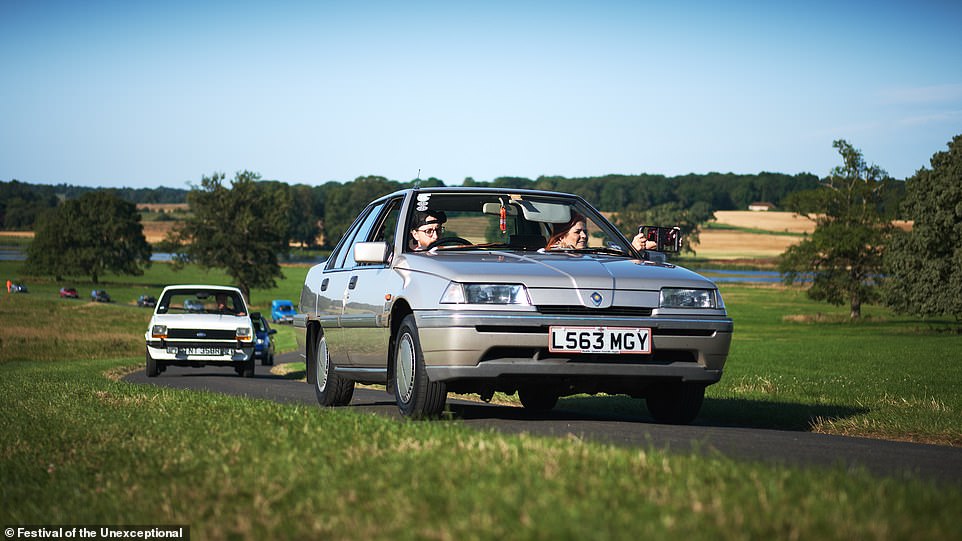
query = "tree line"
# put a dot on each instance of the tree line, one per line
(318, 215)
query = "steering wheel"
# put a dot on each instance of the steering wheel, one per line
(449, 240)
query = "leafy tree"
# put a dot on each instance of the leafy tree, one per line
(94, 234)
(304, 226)
(240, 229)
(843, 256)
(688, 220)
(926, 264)
(343, 202)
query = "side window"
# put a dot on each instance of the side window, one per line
(343, 255)
(361, 233)
(387, 230)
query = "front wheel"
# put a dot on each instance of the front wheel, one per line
(417, 397)
(675, 403)
(152, 368)
(247, 369)
(330, 388)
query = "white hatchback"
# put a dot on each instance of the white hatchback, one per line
(200, 325)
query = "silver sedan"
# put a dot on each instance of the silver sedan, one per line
(474, 290)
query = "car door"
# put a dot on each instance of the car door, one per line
(365, 319)
(334, 284)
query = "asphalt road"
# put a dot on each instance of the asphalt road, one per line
(886, 458)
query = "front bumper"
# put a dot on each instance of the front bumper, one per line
(489, 345)
(171, 351)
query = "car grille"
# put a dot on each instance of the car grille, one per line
(624, 311)
(209, 334)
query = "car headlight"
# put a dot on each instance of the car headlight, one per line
(244, 334)
(674, 297)
(458, 293)
(158, 331)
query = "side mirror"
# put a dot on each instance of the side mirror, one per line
(371, 252)
(272, 331)
(668, 239)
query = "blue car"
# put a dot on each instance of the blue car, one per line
(282, 311)
(263, 341)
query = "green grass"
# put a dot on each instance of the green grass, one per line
(124, 290)
(79, 447)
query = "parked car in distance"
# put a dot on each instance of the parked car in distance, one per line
(201, 325)
(68, 293)
(282, 311)
(99, 295)
(146, 301)
(501, 298)
(264, 341)
(18, 288)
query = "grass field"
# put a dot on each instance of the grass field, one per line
(80, 447)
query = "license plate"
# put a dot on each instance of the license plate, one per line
(204, 351)
(599, 340)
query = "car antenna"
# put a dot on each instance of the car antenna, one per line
(417, 182)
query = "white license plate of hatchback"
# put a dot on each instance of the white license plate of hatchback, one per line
(203, 351)
(599, 340)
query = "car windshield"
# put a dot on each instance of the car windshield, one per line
(260, 325)
(512, 221)
(201, 301)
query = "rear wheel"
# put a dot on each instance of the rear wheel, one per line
(675, 403)
(417, 396)
(330, 388)
(537, 398)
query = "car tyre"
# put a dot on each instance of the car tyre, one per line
(153, 369)
(331, 389)
(676, 403)
(537, 398)
(417, 396)
(247, 370)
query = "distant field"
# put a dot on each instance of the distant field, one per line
(780, 222)
(163, 207)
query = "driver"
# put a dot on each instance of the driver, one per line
(426, 228)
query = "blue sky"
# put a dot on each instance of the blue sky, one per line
(146, 94)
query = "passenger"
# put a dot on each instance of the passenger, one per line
(426, 228)
(572, 234)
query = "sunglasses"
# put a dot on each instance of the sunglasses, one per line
(431, 230)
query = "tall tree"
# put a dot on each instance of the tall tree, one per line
(91, 235)
(843, 256)
(926, 264)
(240, 229)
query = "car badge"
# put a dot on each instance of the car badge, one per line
(201, 335)
(596, 298)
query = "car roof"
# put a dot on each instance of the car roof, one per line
(480, 189)
(200, 286)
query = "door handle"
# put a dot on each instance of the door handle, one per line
(353, 282)
(324, 284)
